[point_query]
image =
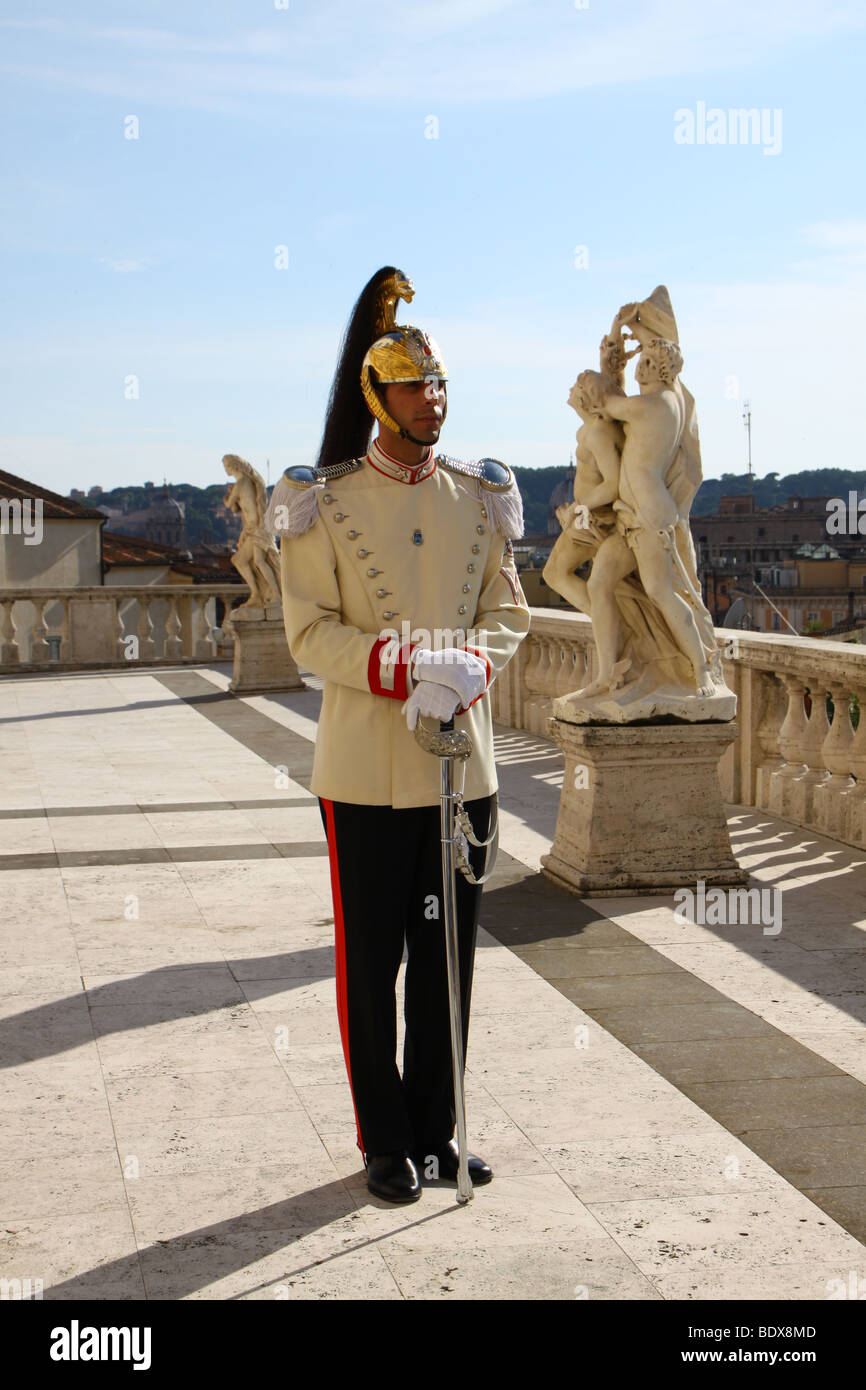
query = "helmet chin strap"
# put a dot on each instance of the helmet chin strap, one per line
(424, 443)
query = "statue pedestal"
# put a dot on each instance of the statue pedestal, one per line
(262, 661)
(641, 809)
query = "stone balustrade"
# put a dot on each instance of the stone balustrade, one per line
(800, 754)
(111, 625)
(801, 749)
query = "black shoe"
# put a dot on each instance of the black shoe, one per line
(393, 1176)
(447, 1158)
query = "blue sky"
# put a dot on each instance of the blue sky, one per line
(306, 126)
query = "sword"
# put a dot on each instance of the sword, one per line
(450, 743)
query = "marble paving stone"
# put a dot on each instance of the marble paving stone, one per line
(204, 828)
(197, 946)
(22, 1009)
(291, 994)
(58, 1131)
(331, 1266)
(794, 1015)
(39, 1087)
(619, 991)
(243, 1090)
(730, 1059)
(23, 837)
(657, 1023)
(36, 981)
(845, 1048)
(308, 957)
(784, 1102)
(554, 1269)
(745, 1229)
(211, 986)
(305, 1026)
(187, 941)
(791, 1282)
(52, 1186)
(509, 1211)
(497, 1031)
(814, 1157)
(84, 1244)
(329, 1107)
(145, 1039)
(552, 1069)
(653, 1108)
(18, 952)
(196, 1144)
(320, 1064)
(296, 1198)
(44, 1029)
(361, 1276)
(776, 960)
(101, 833)
(564, 963)
(665, 1165)
(847, 1205)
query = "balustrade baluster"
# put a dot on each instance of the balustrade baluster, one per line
(791, 736)
(39, 648)
(773, 704)
(173, 642)
(146, 644)
(9, 652)
(802, 801)
(830, 798)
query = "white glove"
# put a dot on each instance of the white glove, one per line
(433, 701)
(463, 672)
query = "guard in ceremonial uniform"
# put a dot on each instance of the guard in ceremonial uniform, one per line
(400, 590)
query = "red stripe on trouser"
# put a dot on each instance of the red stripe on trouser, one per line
(340, 952)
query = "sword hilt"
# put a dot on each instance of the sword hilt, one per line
(447, 742)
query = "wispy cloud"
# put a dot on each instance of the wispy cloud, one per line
(343, 50)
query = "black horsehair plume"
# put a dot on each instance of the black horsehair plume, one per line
(348, 421)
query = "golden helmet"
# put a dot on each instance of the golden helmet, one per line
(400, 353)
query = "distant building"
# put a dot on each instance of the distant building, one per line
(562, 494)
(74, 550)
(743, 549)
(163, 522)
(68, 550)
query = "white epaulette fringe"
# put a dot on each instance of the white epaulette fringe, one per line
(292, 510)
(505, 510)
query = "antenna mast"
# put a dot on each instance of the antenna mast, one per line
(747, 421)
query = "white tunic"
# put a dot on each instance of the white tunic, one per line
(394, 559)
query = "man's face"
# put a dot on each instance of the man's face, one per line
(418, 406)
(577, 400)
(647, 370)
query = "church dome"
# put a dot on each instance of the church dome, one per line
(562, 494)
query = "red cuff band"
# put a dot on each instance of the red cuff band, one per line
(486, 660)
(400, 668)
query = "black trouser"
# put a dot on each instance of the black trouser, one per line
(386, 882)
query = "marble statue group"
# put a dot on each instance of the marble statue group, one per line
(638, 468)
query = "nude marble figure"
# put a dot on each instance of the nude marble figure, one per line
(638, 470)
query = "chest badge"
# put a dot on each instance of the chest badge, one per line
(417, 538)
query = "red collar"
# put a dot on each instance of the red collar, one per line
(384, 462)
